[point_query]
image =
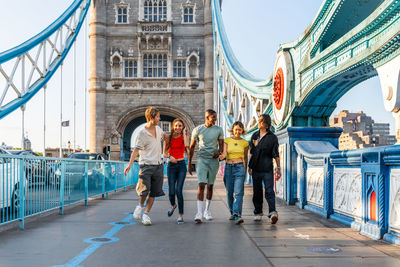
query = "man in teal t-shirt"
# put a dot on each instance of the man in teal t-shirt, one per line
(211, 145)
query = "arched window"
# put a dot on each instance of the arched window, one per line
(155, 65)
(188, 14)
(155, 10)
(116, 71)
(193, 70)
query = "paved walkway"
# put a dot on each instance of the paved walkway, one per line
(300, 238)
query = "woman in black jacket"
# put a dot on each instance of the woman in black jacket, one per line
(263, 148)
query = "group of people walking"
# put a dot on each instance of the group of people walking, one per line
(255, 157)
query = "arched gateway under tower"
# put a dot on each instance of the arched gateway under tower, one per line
(147, 53)
(127, 124)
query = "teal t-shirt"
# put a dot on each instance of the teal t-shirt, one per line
(207, 137)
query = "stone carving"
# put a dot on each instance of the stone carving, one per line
(280, 185)
(347, 191)
(315, 186)
(131, 84)
(130, 52)
(179, 51)
(394, 200)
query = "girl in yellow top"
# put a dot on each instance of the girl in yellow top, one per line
(235, 151)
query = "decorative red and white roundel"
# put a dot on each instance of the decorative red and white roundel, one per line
(279, 88)
(283, 75)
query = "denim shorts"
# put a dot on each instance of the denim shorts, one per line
(207, 170)
(150, 181)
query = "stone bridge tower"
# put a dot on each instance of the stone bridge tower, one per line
(147, 53)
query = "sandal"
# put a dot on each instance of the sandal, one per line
(171, 211)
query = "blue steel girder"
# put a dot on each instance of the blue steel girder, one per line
(340, 18)
(240, 95)
(312, 73)
(39, 56)
(321, 80)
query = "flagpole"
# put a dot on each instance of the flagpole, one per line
(74, 148)
(86, 36)
(61, 111)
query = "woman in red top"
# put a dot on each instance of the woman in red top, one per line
(175, 146)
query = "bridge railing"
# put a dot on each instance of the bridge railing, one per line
(360, 188)
(33, 185)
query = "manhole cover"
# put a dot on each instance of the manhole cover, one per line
(101, 239)
(324, 250)
(122, 223)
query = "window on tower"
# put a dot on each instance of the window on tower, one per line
(155, 10)
(130, 68)
(155, 65)
(122, 13)
(188, 14)
(179, 68)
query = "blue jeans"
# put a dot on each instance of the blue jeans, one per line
(234, 183)
(268, 179)
(176, 177)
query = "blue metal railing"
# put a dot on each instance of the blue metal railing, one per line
(360, 187)
(33, 185)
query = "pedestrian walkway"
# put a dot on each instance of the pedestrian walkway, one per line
(104, 234)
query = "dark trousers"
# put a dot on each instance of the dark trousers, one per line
(268, 179)
(176, 177)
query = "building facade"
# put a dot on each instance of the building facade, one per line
(360, 130)
(147, 53)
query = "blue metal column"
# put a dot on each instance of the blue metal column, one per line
(62, 182)
(328, 188)
(375, 178)
(21, 189)
(86, 183)
(302, 201)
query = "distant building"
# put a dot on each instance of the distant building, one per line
(360, 130)
(55, 152)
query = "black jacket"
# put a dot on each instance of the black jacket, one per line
(264, 152)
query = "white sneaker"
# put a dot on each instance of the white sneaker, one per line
(207, 215)
(257, 218)
(137, 214)
(146, 219)
(197, 218)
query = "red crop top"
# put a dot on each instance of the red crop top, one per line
(177, 148)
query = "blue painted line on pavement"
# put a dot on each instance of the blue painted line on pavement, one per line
(97, 242)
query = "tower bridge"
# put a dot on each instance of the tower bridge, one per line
(175, 55)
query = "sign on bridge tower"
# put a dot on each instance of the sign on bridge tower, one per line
(147, 53)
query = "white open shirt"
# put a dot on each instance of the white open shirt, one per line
(150, 147)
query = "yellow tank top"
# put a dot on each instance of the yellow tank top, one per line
(235, 148)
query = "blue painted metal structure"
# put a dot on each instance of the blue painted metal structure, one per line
(342, 47)
(37, 44)
(370, 169)
(326, 61)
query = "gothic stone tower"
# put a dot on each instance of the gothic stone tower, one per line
(147, 53)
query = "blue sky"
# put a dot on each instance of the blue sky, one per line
(255, 29)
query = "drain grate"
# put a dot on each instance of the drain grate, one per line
(101, 239)
(324, 250)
